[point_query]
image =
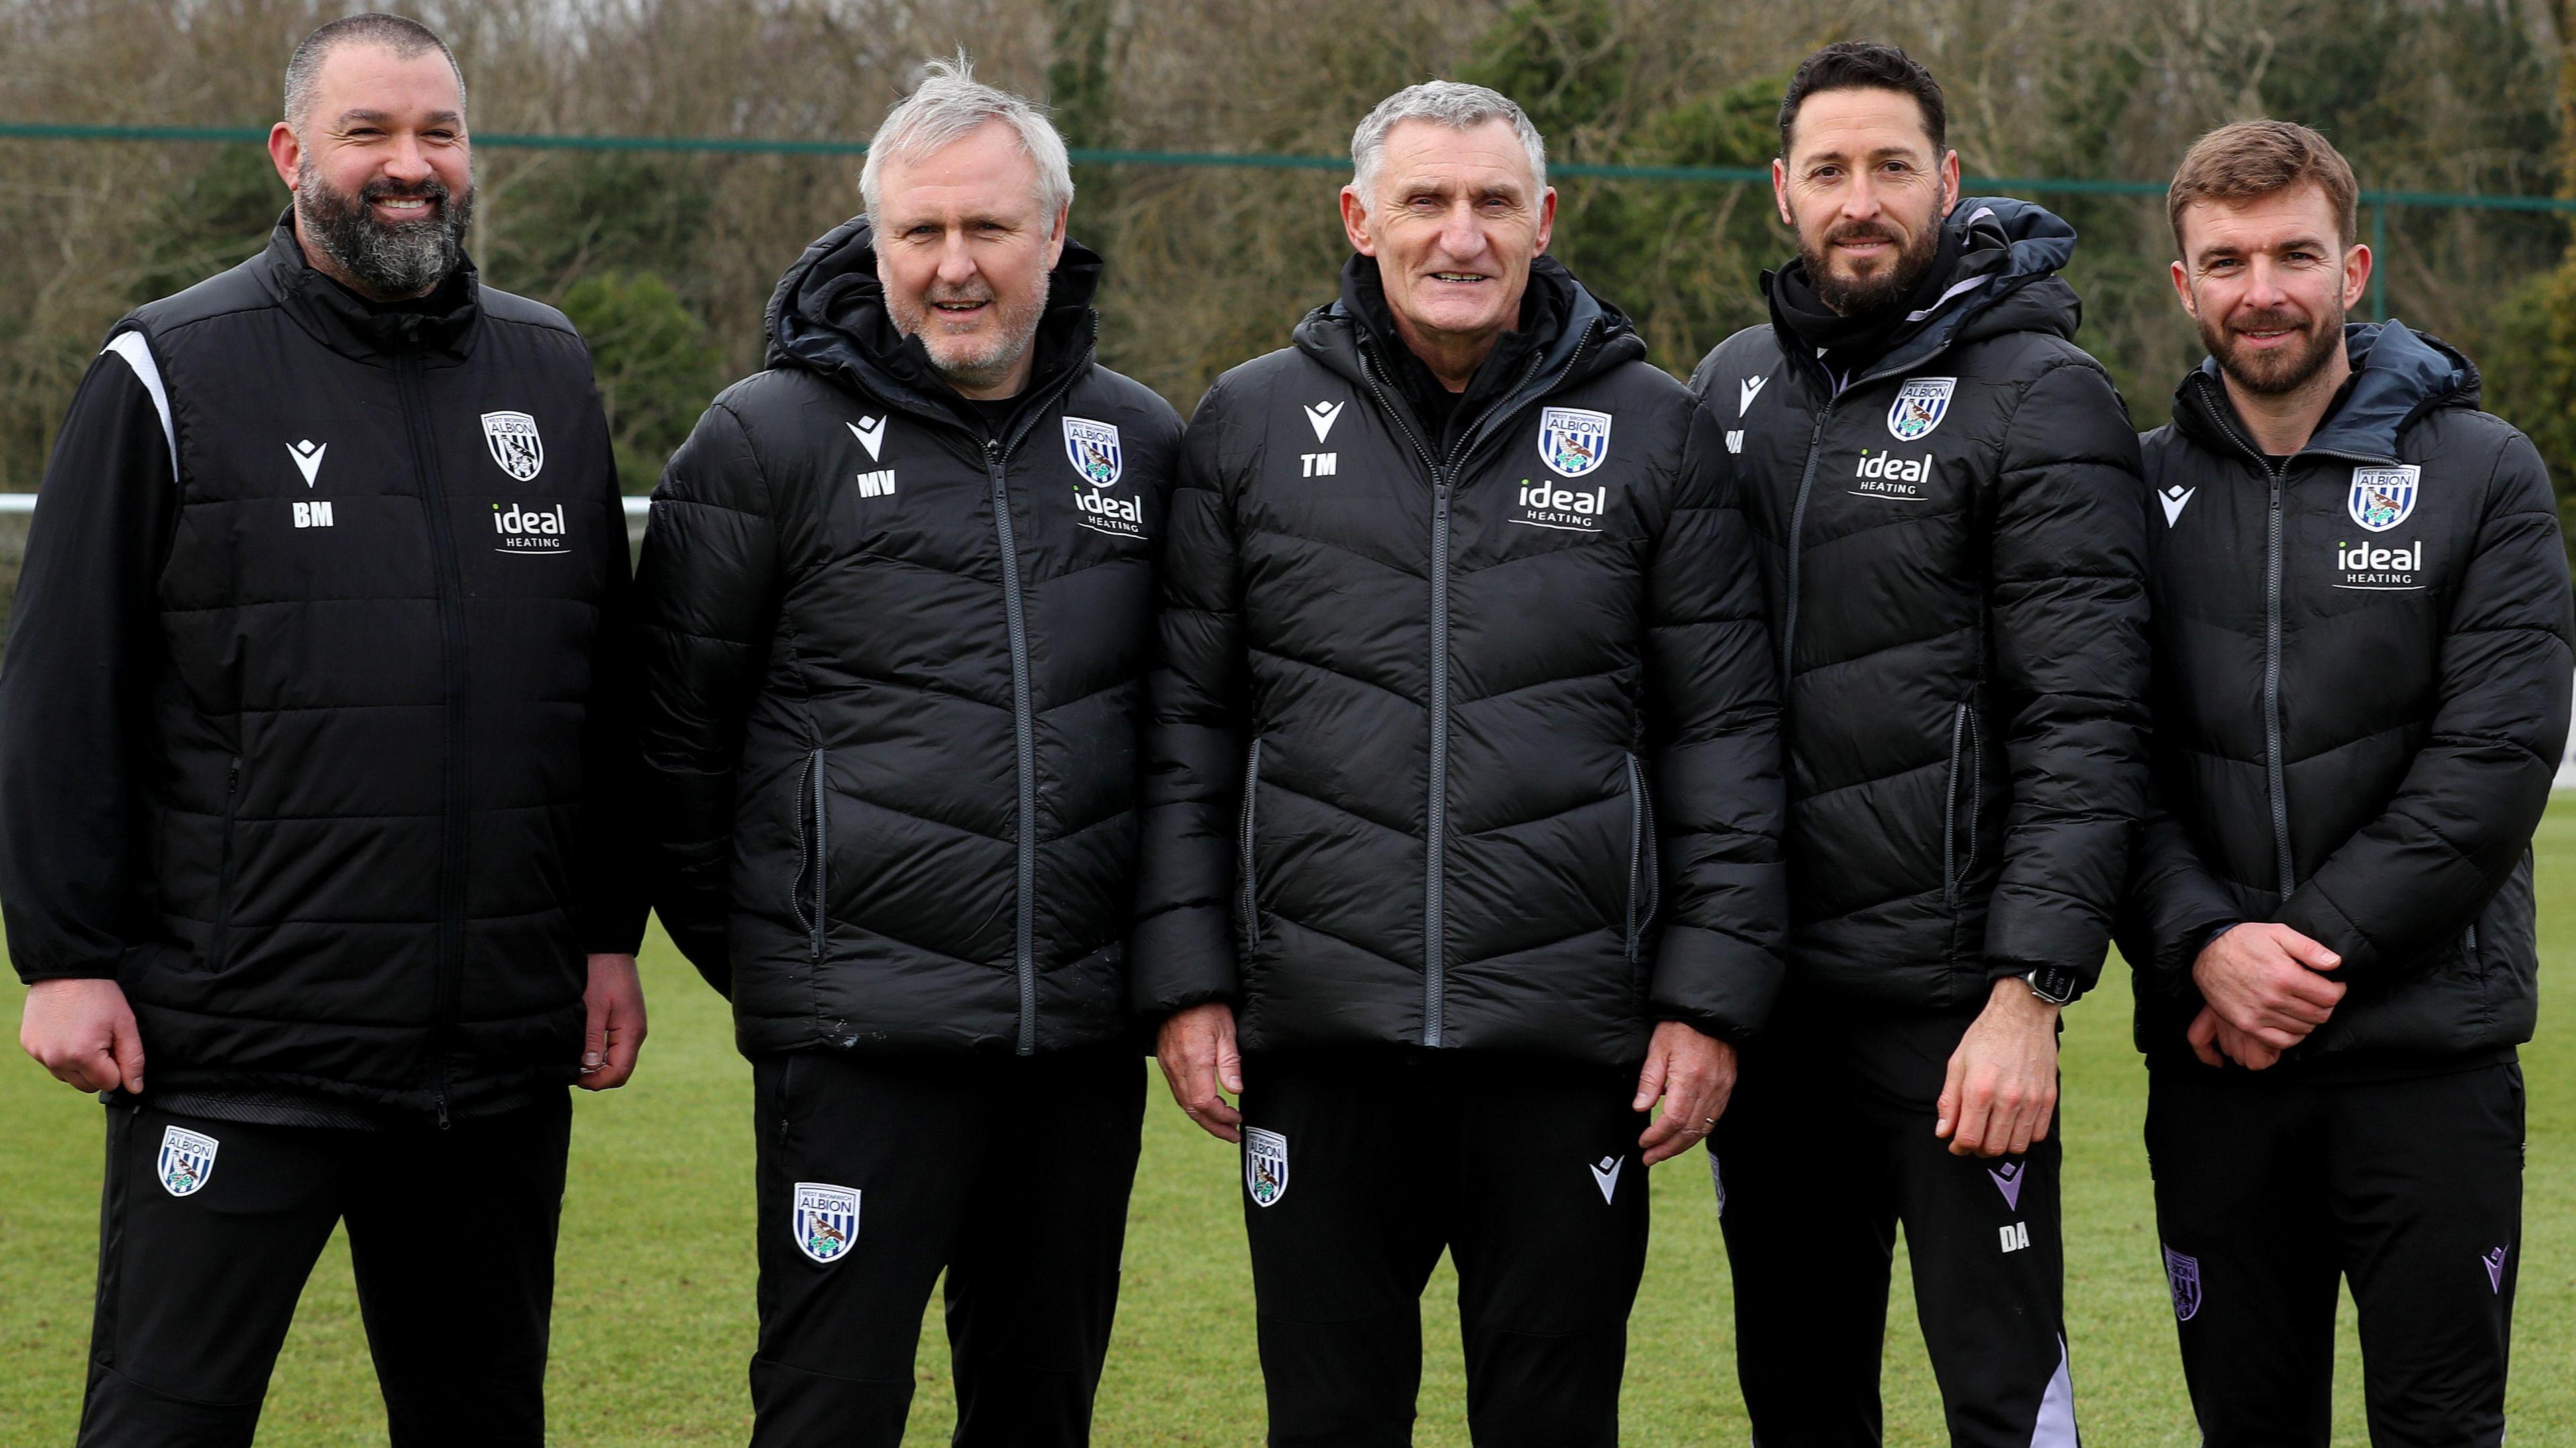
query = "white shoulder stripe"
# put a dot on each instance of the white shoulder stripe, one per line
(138, 355)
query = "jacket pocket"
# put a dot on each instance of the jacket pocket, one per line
(813, 856)
(1967, 774)
(1644, 869)
(225, 873)
(1248, 902)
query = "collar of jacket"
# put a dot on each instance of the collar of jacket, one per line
(439, 324)
(829, 316)
(2398, 375)
(2007, 281)
(1570, 335)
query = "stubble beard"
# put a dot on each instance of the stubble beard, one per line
(1847, 296)
(961, 362)
(2273, 373)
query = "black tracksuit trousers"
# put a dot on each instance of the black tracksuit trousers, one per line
(1825, 1148)
(2271, 1186)
(204, 1251)
(877, 1173)
(1361, 1165)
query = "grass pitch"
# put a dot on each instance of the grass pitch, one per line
(653, 1307)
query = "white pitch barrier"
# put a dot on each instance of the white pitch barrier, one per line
(26, 503)
(641, 507)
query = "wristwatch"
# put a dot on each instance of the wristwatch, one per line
(2055, 984)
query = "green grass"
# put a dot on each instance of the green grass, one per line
(653, 1316)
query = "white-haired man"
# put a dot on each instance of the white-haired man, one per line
(1463, 798)
(898, 598)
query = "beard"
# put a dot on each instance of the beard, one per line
(973, 363)
(1848, 296)
(387, 261)
(2272, 373)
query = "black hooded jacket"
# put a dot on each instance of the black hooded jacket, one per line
(2362, 680)
(895, 670)
(1951, 536)
(1464, 748)
(314, 731)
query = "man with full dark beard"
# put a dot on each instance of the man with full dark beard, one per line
(1944, 490)
(314, 734)
(898, 600)
(2331, 928)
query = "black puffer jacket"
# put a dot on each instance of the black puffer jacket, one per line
(891, 727)
(1951, 549)
(2362, 677)
(315, 730)
(1469, 750)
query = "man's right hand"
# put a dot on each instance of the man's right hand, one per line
(2263, 981)
(1198, 1055)
(83, 1032)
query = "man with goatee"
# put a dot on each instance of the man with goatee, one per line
(313, 742)
(2362, 667)
(1944, 493)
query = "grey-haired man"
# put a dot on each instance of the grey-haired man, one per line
(898, 601)
(1463, 798)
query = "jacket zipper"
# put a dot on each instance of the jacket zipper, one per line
(2274, 784)
(1642, 868)
(810, 849)
(224, 876)
(1966, 754)
(1443, 480)
(1251, 902)
(451, 620)
(1797, 532)
(1024, 727)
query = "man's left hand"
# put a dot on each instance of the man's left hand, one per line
(1694, 1074)
(612, 1032)
(2002, 1086)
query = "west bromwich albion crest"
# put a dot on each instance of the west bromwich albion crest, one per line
(512, 436)
(1573, 440)
(1265, 1165)
(825, 1220)
(187, 1160)
(1919, 407)
(2383, 497)
(1093, 447)
(2183, 1275)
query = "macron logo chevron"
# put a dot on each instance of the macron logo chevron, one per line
(1606, 1176)
(308, 458)
(1747, 390)
(870, 431)
(1321, 416)
(2175, 499)
(2008, 1179)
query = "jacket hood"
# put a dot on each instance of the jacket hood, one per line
(1568, 319)
(2008, 278)
(829, 316)
(2398, 375)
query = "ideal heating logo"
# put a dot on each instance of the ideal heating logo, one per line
(1885, 475)
(529, 530)
(1573, 510)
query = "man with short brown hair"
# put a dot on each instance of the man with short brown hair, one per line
(2330, 924)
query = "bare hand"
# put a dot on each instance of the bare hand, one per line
(2216, 1043)
(83, 1032)
(2262, 979)
(612, 1032)
(1694, 1074)
(2002, 1085)
(1197, 1051)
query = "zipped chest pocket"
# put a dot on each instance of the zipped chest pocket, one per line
(1248, 903)
(1643, 864)
(1966, 783)
(813, 856)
